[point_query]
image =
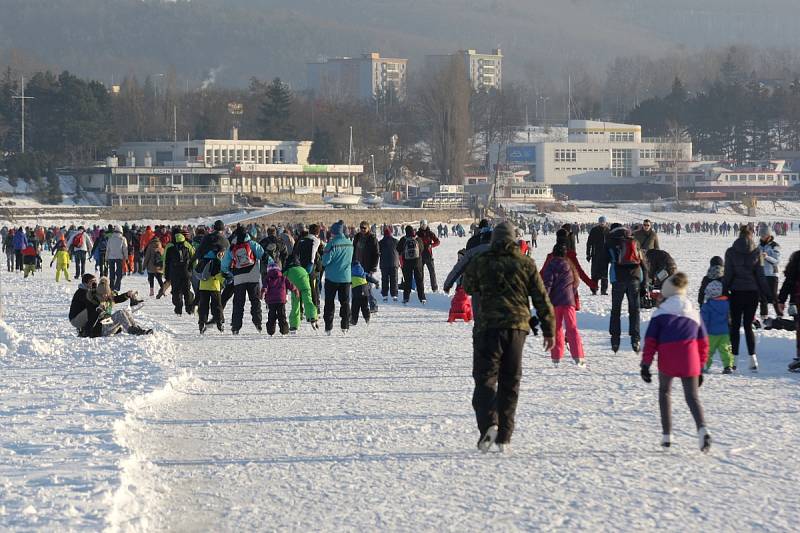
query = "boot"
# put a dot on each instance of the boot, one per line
(754, 363)
(705, 439)
(152, 292)
(487, 439)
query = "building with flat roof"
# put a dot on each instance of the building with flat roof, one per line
(598, 159)
(484, 71)
(358, 78)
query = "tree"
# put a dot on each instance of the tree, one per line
(275, 112)
(443, 109)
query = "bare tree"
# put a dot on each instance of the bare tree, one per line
(443, 108)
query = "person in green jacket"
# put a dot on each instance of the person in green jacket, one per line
(507, 282)
(305, 302)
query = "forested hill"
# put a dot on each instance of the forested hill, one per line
(266, 38)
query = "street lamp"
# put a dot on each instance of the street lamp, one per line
(374, 176)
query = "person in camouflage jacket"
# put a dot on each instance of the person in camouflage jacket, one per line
(507, 281)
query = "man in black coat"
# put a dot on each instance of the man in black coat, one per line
(390, 262)
(482, 235)
(274, 247)
(597, 254)
(213, 241)
(366, 252)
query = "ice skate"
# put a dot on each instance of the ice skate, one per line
(556, 363)
(727, 370)
(705, 440)
(504, 447)
(487, 439)
(753, 363)
(615, 345)
(580, 362)
(666, 440)
(636, 346)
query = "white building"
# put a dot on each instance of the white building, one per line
(213, 152)
(484, 71)
(358, 78)
(596, 157)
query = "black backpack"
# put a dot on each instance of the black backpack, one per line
(411, 249)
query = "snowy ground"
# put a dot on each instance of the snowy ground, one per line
(373, 430)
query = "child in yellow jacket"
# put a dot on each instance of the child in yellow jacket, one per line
(61, 259)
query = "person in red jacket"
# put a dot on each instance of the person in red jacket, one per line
(677, 334)
(429, 241)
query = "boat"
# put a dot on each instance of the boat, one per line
(343, 200)
(372, 200)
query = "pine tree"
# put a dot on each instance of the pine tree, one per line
(276, 112)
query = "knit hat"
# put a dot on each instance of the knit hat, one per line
(717, 261)
(675, 285)
(713, 290)
(337, 228)
(423, 223)
(219, 225)
(764, 232)
(602, 220)
(104, 289)
(503, 232)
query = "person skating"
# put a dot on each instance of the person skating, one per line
(337, 258)
(303, 297)
(677, 335)
(308, 251)
(276, 285)
(79, 243)
(20, 242)
(116, 255)
(360, 280)
(30, 259)
(242, 260)
(274, 249)
(389, 263)
(561, 281)
(627, 272)
(153, 262)
(565, 237)
(209, 288)
(61, 259)
(507, 282)
(178, 258)
(597, 254)
(367, 252)
(100, 253)
(745, 283)
(715, 313)
(429, 241)
(409, 248)
(8, 248)
(481, 236)
(771, 257)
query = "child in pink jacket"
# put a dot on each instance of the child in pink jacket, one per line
(677, 334)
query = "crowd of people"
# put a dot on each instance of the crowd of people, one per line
(497, 286)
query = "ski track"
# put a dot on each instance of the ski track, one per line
(373, 430)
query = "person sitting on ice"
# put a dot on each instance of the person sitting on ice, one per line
(101, 320)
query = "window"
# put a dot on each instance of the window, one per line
(761, 177)
(565, 155)
(621, 136)
(621, 163)
(177, 179)
(190, 152)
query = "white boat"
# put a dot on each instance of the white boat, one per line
(343, 200)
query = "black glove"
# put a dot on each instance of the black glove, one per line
(647, 377)
(534, 324)
(700, 380)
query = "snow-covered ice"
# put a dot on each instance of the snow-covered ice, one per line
(373, 430)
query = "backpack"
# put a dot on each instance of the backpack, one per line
(182, 255)
(270, 252)
(628, 252)
(411, 250)
(210, 268)
(77, 241)
(243, 256)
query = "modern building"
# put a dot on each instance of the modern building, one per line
(359, 78)
(598, 160)
(484, 71)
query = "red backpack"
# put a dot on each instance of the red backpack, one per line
(628, 252)
(243, 256)
(77, 240)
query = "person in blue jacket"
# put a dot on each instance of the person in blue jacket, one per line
(715, 312)
(20, 242)
(242, 261)
(337, 258)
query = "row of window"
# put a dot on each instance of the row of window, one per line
(580, 168)
(759, 177)
(260, 156)
(621, 136)
(565, 155)
(660, 153)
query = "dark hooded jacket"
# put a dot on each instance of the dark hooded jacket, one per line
(507, 281)
(743, 268)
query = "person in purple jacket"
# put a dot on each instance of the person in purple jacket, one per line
(561, 280)
(275, 287)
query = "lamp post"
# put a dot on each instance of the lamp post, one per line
(22, 99)
(374, 176)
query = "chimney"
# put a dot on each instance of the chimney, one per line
(234, 133)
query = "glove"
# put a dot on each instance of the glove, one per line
(700, 381)
(647, 377)
(534, 324)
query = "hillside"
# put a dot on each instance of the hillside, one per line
(265, 38)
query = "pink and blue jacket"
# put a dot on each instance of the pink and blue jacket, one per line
(677, 334)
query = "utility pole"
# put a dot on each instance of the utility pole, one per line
(22, 99)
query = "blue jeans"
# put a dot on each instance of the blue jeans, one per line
(115, 274)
